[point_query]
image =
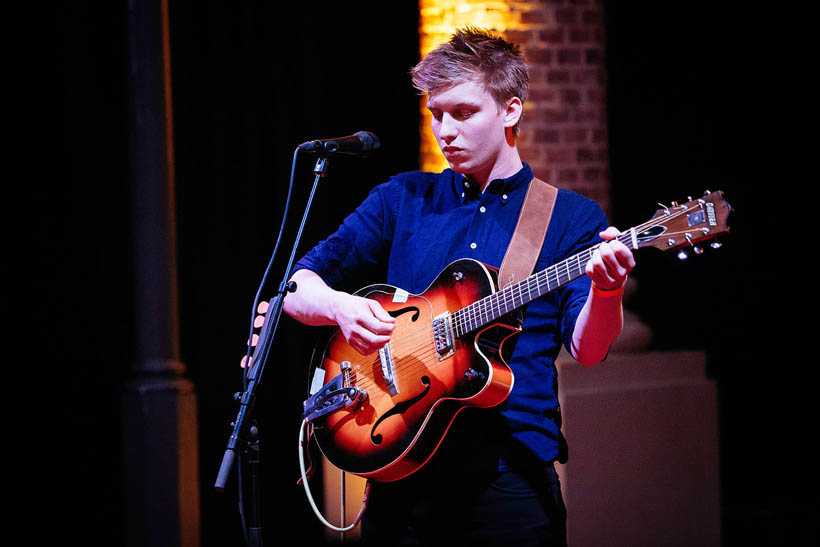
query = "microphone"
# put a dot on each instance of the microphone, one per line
(358, 144)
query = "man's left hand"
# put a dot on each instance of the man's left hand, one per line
(611, 262)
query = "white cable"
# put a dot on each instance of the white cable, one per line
(302, 449)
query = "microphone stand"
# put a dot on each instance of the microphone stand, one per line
(245, 437)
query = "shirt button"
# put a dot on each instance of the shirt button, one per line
(473, 245)
(483, 209)
(504, 197)
(466, 184)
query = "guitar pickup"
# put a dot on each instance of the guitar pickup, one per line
(388, 370)
(443, 335)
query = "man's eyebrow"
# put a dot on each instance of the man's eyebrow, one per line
(454, 106)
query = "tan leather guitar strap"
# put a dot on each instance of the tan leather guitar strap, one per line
(525, 245)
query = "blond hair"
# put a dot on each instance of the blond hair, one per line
(479, 55)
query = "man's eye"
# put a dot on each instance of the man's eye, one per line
(464, 114)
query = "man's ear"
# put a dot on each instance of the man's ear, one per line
(512, 111)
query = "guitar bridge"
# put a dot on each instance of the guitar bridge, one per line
(443, 335)
(388, 371)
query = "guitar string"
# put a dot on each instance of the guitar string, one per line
(492, 300)
(418, 363)
(507, 295)
(420, 352)
(484, 313)
(550, 274)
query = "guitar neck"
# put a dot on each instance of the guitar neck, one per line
(671, 228)
(512, 297)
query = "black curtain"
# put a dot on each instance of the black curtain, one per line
(711, 97)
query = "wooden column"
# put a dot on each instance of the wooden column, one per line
(159, 403)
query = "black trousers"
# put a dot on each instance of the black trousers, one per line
(467, 508)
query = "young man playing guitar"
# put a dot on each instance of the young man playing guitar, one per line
(492, 480)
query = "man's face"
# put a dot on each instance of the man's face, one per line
(469, 127)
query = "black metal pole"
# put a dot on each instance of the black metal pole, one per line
(244, 439)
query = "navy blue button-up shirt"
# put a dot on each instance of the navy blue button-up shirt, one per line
(410, 228)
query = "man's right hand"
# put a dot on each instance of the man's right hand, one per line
(364, 322)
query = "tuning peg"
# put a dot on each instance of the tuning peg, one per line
(716, 244)
(695, 249)
(682, 255)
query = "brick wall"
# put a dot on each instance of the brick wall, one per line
(563, 132)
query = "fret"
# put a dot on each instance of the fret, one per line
(474, 311)
(493, 306)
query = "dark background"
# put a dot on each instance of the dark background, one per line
(693, 104)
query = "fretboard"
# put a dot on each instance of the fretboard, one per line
(516, 295)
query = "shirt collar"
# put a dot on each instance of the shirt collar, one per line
(503, 188)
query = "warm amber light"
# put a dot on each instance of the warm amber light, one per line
(438, 20)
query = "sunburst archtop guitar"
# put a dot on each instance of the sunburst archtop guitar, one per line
(382, 416)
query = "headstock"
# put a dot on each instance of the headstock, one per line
(678, 226)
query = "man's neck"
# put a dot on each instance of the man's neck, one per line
(506, 166)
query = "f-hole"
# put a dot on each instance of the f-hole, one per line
(400, 408)
(408, 309)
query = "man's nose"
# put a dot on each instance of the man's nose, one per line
(448, 129)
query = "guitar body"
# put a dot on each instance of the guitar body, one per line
(409, 408)
(383, 416)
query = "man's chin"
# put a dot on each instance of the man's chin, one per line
(459, 167)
